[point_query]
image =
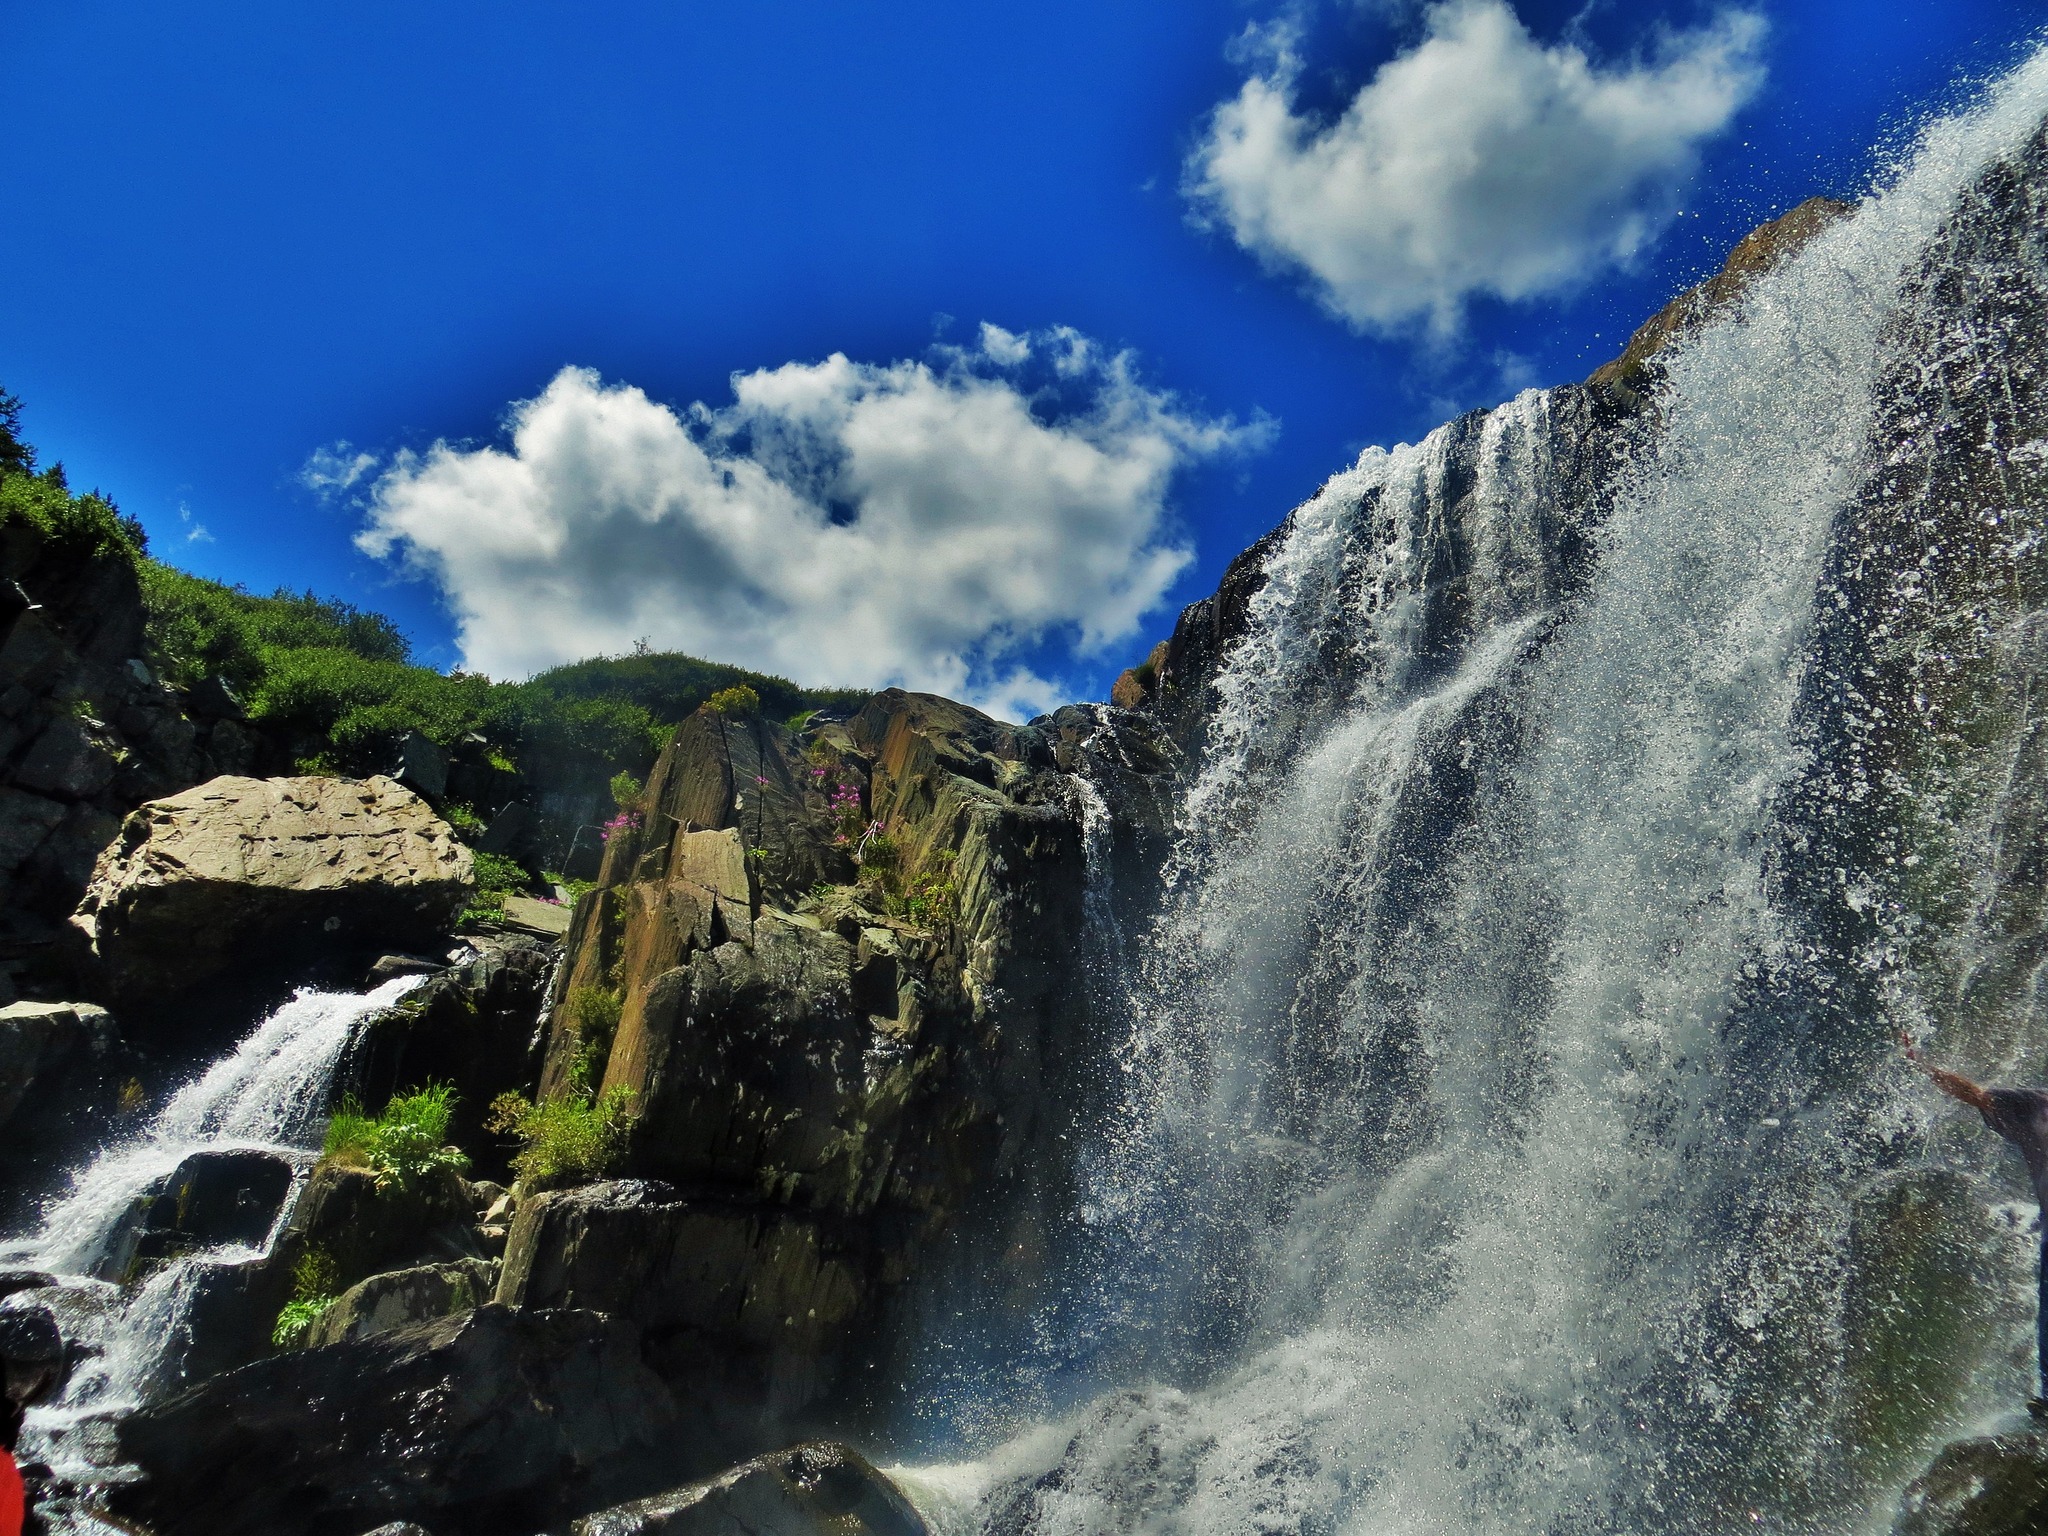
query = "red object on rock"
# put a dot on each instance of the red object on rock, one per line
(11, 1510)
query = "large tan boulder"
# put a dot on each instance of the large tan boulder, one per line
(248, 871)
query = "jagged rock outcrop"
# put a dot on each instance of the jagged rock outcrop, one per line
(810, 1490)
(489, 1422)
(238, 868)
(841, 964)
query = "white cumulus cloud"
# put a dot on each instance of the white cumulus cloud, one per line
(1480, 161)
(921, 523)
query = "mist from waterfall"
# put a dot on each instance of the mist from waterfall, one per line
(1508, 1148)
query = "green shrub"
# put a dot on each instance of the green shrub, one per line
(626, 791)
(467, 824)
(316, 1280)
(591, 1015)
(496, 878)
(738, 702)
(403, 1145)
(295, 1317)
(81, 525)
(574, 1136)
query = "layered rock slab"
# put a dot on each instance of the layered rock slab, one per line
(237, 867)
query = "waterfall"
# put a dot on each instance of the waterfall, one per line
(267, 1094)
(1513, 1142)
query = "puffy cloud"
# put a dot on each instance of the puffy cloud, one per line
(923, 523)
(1479, 161)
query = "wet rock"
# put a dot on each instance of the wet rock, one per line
(384, 967)
(471, 1025)
(753, 1303)
(1996, 1486)
(14, 1280)
(365, 1230)
(238, 867)
(385, 1303)
(811, 1490)
(489, 1422)
(50, 1052)
(211, 1199)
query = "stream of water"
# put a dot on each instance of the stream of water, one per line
(1508, 1148)
(268, 1094)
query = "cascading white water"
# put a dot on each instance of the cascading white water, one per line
(1449, 1188)
(268, 1094)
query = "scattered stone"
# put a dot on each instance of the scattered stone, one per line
(212, 699)
(72, 759)
(812, 1490)
(236, 866)
(511, 824)
(421, 766)
(384, 967)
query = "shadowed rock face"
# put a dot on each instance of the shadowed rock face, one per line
(495, 1421)
(52, 1057)
(236, 866)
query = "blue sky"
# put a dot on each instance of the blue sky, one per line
(241, 236)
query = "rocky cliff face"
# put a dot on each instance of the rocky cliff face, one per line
(86, 734)
(841, 960)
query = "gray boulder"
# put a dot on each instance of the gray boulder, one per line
(237, 866)
(812, 1490)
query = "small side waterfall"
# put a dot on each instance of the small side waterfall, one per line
(269, 1095)
(1514, 1142)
